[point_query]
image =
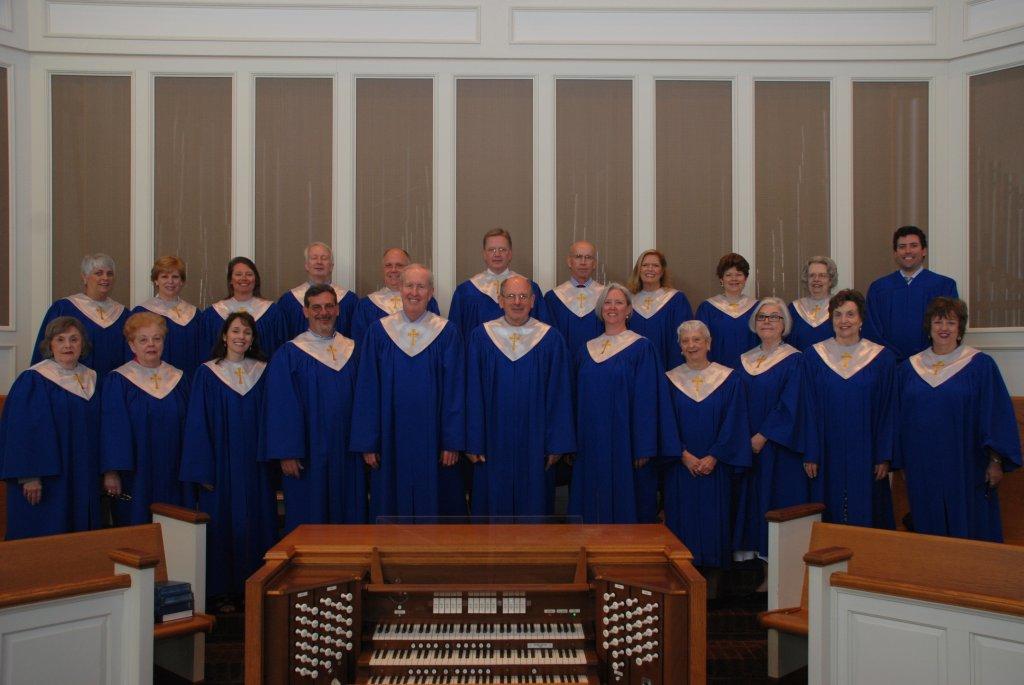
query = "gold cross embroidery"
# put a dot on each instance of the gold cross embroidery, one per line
(582, 297)
(99, 311)
(734, 306)
(697, 383)
(514, 338)
(396, 302)
(648, 303)
(845, 363)
(760, 360)
(238, 372)
(937, 366)
(414, 336)
(243, 310)
(814, 312)
(78, 378)
(177, 314)
(330, 348)
(156, 380)
(604, 348)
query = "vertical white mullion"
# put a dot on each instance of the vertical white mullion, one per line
(841, 191)
(545, 225)
(243, 228)
(35, 112)
(344, 181)
(743, 176)
(143, 184)
(948, 178)
(444, 188)
(644, 234)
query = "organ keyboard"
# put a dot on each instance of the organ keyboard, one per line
(404, 604)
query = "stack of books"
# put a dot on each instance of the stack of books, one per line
(173, 600)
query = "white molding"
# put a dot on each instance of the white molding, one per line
(443, 228)
(744, 196)
(343, 232)
(243, 164)
(989, 17)
(6, 15)
(142, 222)
(8, 365)
(841, 242)
(545, 191)
(644, 165)
(12, 198)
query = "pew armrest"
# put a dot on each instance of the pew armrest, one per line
(184, 538)
(789, 536)
(959, 598)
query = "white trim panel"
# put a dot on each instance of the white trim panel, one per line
(985, 17)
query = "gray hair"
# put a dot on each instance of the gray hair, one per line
(693, 326)
(604, 296)
(91, 262)
(305, 250)
(416, 265)
(787, 320)
(833, 271)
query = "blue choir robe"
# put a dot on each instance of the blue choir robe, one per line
(811, 323)
(571, 309)
(410, 406)
(221, 444)
(518, 411)
(183, 345)
(777, 408)
(952, 409)
(729, 323)
(476, 301)
(656, 316)
(377, 305)
(141, 432)
(617, 405)
(895, 310)
(270, 324)
(852, 389)
(104, 325)
(50, 430)
(708, 417)
(295, 323)
(310, 385)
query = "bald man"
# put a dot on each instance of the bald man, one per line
(388, 299)
(571, 304)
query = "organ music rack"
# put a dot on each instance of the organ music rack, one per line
(476, 604)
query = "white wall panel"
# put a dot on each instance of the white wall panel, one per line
(985, 17)
(876, 649)
(995, 661)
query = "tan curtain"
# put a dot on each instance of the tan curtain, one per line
(5, 203)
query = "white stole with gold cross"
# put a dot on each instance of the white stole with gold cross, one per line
(179, 311)
(255, 306)
(80, 381)
(412, 337)
(814, 312)
(299, 292)
(847, 360)
(734, 308)
(515, 341)
(936, 369)
(103, 314)
(698, 384)
(756, 361)
(333, 352)
(157, 383)
(387, 299)
(604, 347)
(647, 304)
(490, 283)
(579, 301)
(239, 376)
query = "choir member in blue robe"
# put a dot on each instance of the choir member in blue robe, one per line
(851, 379)
(617, 405)
(896, 303)
(310, 385)
(957, 433)
(222, 428)
(49, 439)
(658, 308)
(183, 347)
(144, 407)
(409, 419)
(781, 427)
(708, 430)
(244, 296)
(319, 264)
(387, 300)
(811, 323)
(476, 301)
(727, 316)
(571, 304)
(102, 317)
(518, 408)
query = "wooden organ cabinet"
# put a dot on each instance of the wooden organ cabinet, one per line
(476, 604)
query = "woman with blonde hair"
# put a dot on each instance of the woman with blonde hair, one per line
(658, 308)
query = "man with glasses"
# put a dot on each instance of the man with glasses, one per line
(571, 304)
(518, 408)
(388, 299)
(310, 386)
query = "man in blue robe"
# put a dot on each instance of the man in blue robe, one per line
(571, 304)
(388, 299)
(518, 408)
(896, 303)
(409, 420)
(476, 301)
(310, 385)
(319, 264)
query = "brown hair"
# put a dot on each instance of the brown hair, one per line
(635, 285)
(728, 261)
(60, 325)
(167, 263)
(848, 295)
(496, 232)
(946, 308)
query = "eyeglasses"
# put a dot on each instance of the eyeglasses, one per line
(496, 250)
(774, 318)
(317, 308)
(512, 297)
(584, 257)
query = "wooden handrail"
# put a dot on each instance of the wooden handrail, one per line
(198, 623)
(797, 511)
(969, 600)
(136, 558)
(43, 594)
(827, 556)
(172, 511)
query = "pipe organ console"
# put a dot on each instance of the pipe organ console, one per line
(431, 604)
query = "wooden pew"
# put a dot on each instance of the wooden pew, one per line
(81, 604)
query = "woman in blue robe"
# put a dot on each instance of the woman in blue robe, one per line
(709, 431)
(781, 427)
(617, 405)
(851, 379)
(244, 296)
(49, 439)
(102, 317)
(957, 430)
(811, 323)
(144, 405)
(658, 308)
(222, 427)
(727, 316)
(183, 347)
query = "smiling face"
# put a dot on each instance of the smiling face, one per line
(944, 331)
(238, 339)
(243, 281)
(148, 345)
(733, 282)
(66, 348)
(416, 292)
(392, 265)
(909, 253)
(846, 322)
(582, 261)
(98, 283)
(615, 310)
(818, 282)
(497, 253)
(319, 263)
(769, 324)
(651, 272)
(321, 313)
(169, 284)
(695, 348)
(517, 300)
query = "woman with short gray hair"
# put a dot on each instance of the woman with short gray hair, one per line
(811, 321)
(102, 317)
